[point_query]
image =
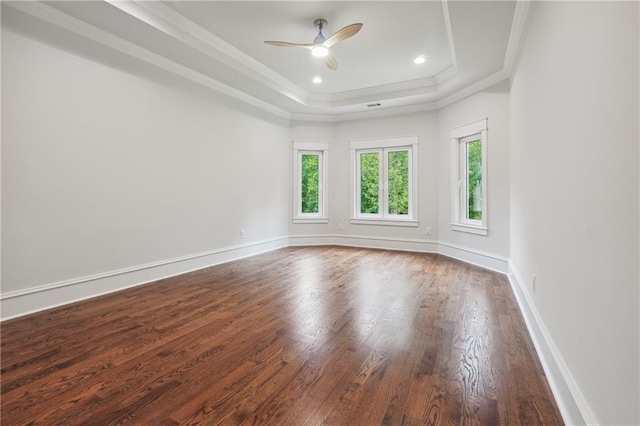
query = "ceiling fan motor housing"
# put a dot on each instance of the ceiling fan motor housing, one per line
(320, 24)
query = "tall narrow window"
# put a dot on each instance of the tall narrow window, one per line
(309, 190)
(310, 167)
(398, 182)
(469, 201)
(384, 185)
(369, 182)
(472, 147)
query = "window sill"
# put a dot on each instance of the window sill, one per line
(385, 222)
(310, 220)
(470, 229)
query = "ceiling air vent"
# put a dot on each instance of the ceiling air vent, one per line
(374, 105)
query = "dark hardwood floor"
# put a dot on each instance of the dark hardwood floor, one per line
(316, 335)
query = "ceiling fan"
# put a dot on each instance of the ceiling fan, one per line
(321, 44)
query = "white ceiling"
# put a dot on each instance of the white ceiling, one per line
(469, 45)
(390, 39)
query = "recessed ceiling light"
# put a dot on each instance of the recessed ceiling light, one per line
(317, 80)
(420, 59)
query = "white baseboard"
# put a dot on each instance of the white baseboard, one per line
(572, 404)
(35, 299)
(486, 260)
(483, 259)
(23, 302)
(423, 246)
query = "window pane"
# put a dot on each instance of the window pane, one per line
(369, 182)
(310, 173)
(474, 180)
(398, 176)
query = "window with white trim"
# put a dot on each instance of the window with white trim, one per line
(384, 181)
(469, 178)
(310, 177)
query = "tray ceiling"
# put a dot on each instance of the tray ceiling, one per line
(219, 44)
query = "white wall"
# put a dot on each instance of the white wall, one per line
(103, 169)
(321, 132)
(423, 125)
(434, 192)
(493, 104)
(574, 195)
(110, 166)
(339, 135)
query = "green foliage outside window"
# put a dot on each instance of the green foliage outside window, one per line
(369, 182)
(310, 183)
(474, 180)
(398, 177)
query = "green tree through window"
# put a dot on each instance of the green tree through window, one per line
(369, 182)
(398, 176)
(310, 197)
(474, 180)
(469, 178)
(385, 186)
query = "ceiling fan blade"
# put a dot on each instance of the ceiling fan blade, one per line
(344, 33)
(331, 62)
(287, 44)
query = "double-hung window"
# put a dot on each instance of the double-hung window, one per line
(310, 177)
(384, 181)
(469, 178)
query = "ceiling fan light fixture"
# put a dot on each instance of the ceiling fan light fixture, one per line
(319, 51)
(320, 46)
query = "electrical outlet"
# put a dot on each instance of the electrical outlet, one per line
(340, 227)
(428, 230)
(242, 234)
(533, 282)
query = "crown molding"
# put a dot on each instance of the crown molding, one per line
(474, 88)
(362, 115)
(447, 23)
(77, 26)
(386, 112)
(446, 75)
(423, 85)
(515, 36)
(172, 23)
(404, 97)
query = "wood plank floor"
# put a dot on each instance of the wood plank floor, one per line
(314, 335)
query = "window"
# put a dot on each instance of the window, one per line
(469, 178)
(384, 183)
(309, 170)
